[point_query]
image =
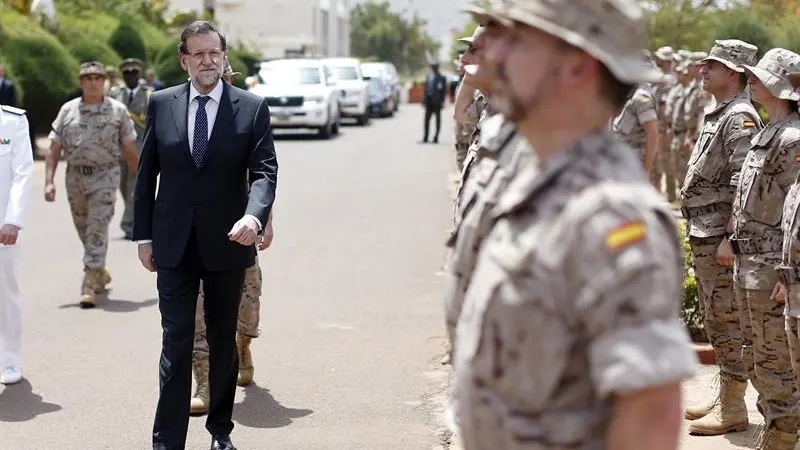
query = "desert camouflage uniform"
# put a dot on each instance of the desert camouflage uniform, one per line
(483, 110)
(137, 110)
(465, 131)
(639, 109)
(92, 137)
(770, 168)
(693, 111)
(662, 93)
(678, 158)
(572, 302)
(789, 272)
(249, 310)
(505, 153)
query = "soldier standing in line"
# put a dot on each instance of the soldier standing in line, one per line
(768, 172)
(707, 195)
(248, 316)
(665, 60)
(112, 81)
(467, 121)
(136, 97)
(637, 125)
(667, 157)
(569, 336)
(91, 130)
(693, 111)
(679, 156)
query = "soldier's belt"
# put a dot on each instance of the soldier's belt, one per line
(694, 211)
(788, 275)
(89, 170)
(757, 245)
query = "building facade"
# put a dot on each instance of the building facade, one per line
(280, 28)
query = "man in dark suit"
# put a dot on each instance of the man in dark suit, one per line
(8, 95)
(204, 138)
(435, 92)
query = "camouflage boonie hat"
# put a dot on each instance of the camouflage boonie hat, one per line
(92, 68)
(773, 71)
(612, 31)
(732, 53)
(698, 57)
(665, 53)
(131, 64)
(470, 39)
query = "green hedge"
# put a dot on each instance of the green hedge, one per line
(127, 42)
(48, 75)
(691, 307)
(91, 50)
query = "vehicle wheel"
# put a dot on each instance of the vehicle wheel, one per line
(326, 131)
(396, 103)
(364, 118)
(337, 124)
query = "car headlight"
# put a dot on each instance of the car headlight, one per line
(314, 100)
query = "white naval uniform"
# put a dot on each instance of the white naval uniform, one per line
(16, 173)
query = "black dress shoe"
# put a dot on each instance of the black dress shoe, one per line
(222, 442)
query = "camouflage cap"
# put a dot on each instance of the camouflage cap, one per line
(92, 68)
(773, 71)
(698, 57)
(612, 31)
(478, 31)
(684, 54)
(733, 53)
(665, 53)
(131, 64)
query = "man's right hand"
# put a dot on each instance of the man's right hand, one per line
(49, 192)
(146, 256)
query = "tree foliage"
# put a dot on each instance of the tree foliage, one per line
(377, 31)
(127, 42)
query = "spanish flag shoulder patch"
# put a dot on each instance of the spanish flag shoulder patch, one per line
(748, 124)
(797, 158)
(625, 235)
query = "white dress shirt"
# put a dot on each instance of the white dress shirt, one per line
(212, 106)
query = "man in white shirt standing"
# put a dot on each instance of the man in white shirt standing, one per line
(16, 169)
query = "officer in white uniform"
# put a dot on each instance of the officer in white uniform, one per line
(16, 171)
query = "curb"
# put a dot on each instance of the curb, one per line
(705, 353)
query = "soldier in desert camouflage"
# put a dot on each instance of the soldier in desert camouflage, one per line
(769, 171)
(637, 125)
(707, 195)
(247, 327)
(90, 131)
(465, 128)
(695, 101)
(569, 336)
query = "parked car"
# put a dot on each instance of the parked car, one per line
(389, 73)
(381, 98)
(301, 93)
(353, 83)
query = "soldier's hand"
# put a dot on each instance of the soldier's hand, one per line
(266, 237)
(8, 234)
(779, 293)
(146, 256)
(50, 192)
(724, 255)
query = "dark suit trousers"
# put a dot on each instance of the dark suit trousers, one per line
(432, 111)
(178, 288)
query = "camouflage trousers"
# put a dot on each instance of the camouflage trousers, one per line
(766, 355)
(91, 193)
(680, 158)
(663, 167)
(127, 181)
(461, 154)
(249, 310)
(721, 310)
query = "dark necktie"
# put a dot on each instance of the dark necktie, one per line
(130, 96)
(200, 144)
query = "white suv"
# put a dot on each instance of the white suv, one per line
(352, 82)
(301, 93)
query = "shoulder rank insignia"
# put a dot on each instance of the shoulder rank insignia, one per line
(748, 124)
(12, 110)
(625, 235)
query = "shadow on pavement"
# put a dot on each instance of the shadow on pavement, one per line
(116, 306)
(21, 404)
(259, 409)
(745, 439)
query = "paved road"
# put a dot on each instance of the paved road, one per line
(351, 314)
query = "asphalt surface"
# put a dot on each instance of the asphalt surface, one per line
(352, 328)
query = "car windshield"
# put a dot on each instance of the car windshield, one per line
(372, 71)
(376, 85)
(345, 72)
(289, 75)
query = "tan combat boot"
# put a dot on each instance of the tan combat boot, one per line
(200, 399)
(90, 280)
(103, 279)
(246, 368)
(729, 411)
(775, 439)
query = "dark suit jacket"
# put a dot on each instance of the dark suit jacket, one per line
(8, 95)
(212, 198)
(435, 98)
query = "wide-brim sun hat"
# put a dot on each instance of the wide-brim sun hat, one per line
(612, 31)
(732, 53)
(773, 71)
